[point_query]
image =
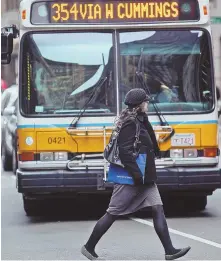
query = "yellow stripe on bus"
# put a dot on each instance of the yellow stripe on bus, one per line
(57, 139)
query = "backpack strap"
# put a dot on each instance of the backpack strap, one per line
(137, 135)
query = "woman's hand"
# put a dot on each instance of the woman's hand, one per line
(157, 153)
(138, 180)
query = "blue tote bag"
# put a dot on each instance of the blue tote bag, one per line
(119, 175)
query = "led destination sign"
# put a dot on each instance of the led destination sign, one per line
(114, 11)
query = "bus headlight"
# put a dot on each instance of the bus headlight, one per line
(61, 156)
(46, 156)
(190, 153)
(176, 153)
(53, 156)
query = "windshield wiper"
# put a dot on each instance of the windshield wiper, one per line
(82, 111)
(140, 76)
(88, 74)
(68, 93)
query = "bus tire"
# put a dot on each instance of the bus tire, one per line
(185, 203)
(6, 159)
(31, 207)
(14, 161)
(198, 203)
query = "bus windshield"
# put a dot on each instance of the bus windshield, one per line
(175, 64)
(62, 71)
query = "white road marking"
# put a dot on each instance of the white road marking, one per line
(176, 232)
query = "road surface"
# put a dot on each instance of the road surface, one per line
(58, 236)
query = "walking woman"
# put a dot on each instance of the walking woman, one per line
(127, 199)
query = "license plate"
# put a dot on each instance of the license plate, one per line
(187, 139)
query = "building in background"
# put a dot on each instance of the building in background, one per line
(215, 13)
(9, 16)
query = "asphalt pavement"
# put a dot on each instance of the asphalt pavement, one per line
(66, 225)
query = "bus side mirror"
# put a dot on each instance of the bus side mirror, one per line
(6, 58)
(6, 47)
(7, 36)
(219, 113)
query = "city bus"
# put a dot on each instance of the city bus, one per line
(78, 59)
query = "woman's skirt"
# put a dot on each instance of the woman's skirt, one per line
(128, 199)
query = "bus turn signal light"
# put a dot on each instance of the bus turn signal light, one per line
(205, 10)
(210, 152)
(27, 156)
(23, 14)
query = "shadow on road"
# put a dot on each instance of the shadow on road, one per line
(81, 208)
(94, 207)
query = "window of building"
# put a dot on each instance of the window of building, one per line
(213, 4)
(11, 5)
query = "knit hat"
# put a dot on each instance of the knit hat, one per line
(135, 97)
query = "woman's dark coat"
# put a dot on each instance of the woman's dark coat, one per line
(148, 144)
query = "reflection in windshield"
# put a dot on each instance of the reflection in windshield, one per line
(91, 82)
(61, 71)
(176, 67)
(64, 70)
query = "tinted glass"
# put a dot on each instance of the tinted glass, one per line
(175, 66)
(65, 71)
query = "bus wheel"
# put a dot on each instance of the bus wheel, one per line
(31, 207)
(185, 203)
(197, 203)
(14, 161)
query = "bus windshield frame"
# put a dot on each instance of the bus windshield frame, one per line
(116, 80)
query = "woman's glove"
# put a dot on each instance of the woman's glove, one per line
(138, 179)
(157, 153)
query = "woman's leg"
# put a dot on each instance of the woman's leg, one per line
(99, 230)
(161, 228)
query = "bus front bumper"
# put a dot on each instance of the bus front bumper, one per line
(55, 181)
